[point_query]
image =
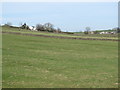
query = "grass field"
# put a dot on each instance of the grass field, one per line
(94, 36)
(39, 62)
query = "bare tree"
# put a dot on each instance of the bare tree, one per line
(40, 27)
(59, 30)
(87, 30)
(48, 27)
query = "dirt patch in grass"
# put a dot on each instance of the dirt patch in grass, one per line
(62, 37)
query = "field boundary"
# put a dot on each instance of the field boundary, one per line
(62, 37)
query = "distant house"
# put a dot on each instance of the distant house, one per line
(32, 28)
(91, 32)
(107, 32)
(104, 33)
(113, 32)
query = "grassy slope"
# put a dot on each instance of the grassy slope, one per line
(98, 36)
(48, 62)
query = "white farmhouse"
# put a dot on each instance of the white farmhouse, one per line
(32, 28)
(104, 32)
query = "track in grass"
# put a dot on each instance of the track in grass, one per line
(64, 37)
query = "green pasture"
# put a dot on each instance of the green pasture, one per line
(98, 36)
(39, 62)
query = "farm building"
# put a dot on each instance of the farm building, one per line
(32, 28)
(107, 33)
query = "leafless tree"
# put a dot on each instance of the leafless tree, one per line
(48, 27)
(40, 27)
(87, 30)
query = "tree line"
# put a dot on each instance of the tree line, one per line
(45, 27)
(48, 27)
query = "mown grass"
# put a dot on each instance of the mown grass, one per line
(38, 62)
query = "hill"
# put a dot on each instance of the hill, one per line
(40, 62)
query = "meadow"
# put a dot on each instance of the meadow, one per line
(41, 62)
(79, 35)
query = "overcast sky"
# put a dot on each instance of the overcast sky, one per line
(68, 16)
